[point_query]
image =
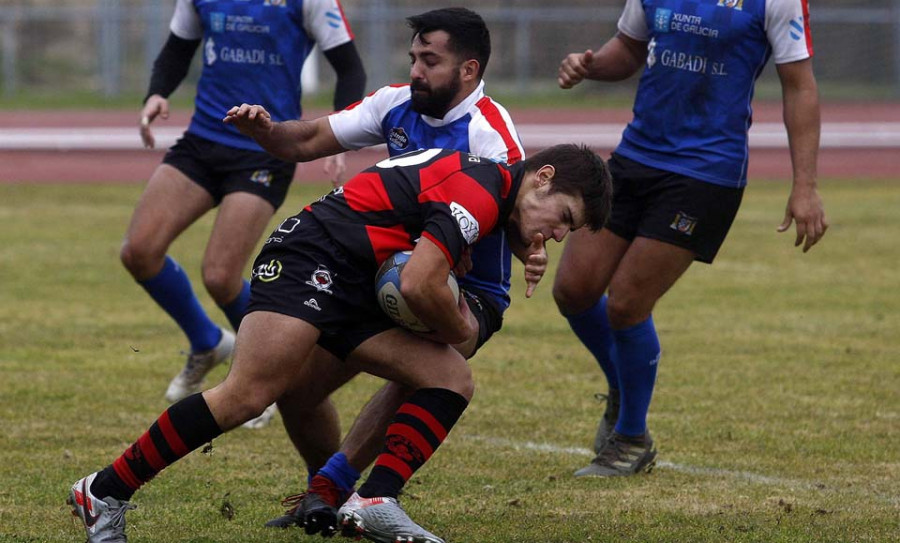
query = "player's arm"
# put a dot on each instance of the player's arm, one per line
(618, 59)
(348, 89)
(802, 120)
(169, 70)
(292, 141)
(423, 284)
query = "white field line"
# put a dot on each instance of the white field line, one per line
(600, 135)
(692, 470)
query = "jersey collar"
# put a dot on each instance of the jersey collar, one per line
(461, 109)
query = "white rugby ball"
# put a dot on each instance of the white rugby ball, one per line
(387, 288)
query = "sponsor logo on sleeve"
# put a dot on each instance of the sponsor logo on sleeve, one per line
(468, 225)
(334, 18)
(796, 29)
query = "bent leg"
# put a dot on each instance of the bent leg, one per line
(239, 224)
(170, 203)
(646, 273)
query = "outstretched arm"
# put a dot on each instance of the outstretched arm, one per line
(618, 59)
(292, 141)
(802, 120)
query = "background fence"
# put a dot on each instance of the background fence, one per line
(107, 46)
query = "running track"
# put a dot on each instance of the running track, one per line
(858, 141)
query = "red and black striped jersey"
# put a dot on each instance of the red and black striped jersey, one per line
(452, 198)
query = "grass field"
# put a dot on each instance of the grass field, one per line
(777, 412)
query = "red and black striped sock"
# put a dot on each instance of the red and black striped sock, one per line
(181, 428)
(418, 429)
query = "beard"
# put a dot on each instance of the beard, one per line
(434, 102)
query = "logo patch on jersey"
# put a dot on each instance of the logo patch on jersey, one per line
(287, 226)
(321, 280)
(262, 177)
(466, 221)
(397, 138)
(209, 52)
(662, 20)
(217, 22)
(734, 4)
(276, 3)
(267, 272)
(797, 31)
(684, 223)
(334, 18)
(651, 53)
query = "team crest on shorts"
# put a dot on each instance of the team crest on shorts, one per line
(684, 223)
(267, 272)
(321, 280)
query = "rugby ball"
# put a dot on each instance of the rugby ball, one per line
(387, 289)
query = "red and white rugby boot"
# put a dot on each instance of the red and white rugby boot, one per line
(104, 520)
(381, 520)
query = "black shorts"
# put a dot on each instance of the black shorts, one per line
(488, 315)
(300, 272)
(221, 169)
(671, 207)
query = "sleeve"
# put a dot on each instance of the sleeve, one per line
(492, 134)
(460, 211)
(324, 22)
(787, 29)
(359, 125)
(633, 22)
(186, 22)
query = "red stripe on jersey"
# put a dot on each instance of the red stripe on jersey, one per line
(413, 436)
(394, 464)
(507, 181)
(440, 246)
(387, 240)
(495, 119)
(443, 182)
(344, 18)
(806, 28)
(414, 410)
(366, 192)
(171, 436)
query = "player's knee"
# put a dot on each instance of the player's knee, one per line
(570, 299)
(221, 284)
(141, 263)
(626, 311)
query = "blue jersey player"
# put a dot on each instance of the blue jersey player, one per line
(249, 48)
(679, 174)
(444, 105)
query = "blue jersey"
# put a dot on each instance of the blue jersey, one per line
(478, 125)
(692, 109)
(253, 51)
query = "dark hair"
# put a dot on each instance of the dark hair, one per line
(582, 173)
(469, 36)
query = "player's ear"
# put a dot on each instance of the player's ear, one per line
(545, 174)
(469, 69)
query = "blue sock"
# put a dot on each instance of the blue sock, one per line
(236, 309)
(638, 353)
(340, 471)
(171, 289)
(592, 328)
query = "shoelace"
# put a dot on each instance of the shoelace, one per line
(118, 515)
(293, 502)
(328, 491)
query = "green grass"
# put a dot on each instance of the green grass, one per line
(776, 413)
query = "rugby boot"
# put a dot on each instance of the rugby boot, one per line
(103, 520)
(622, 456)
(381, 520)
(609, 418)
(315, 510)
(190, 380)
